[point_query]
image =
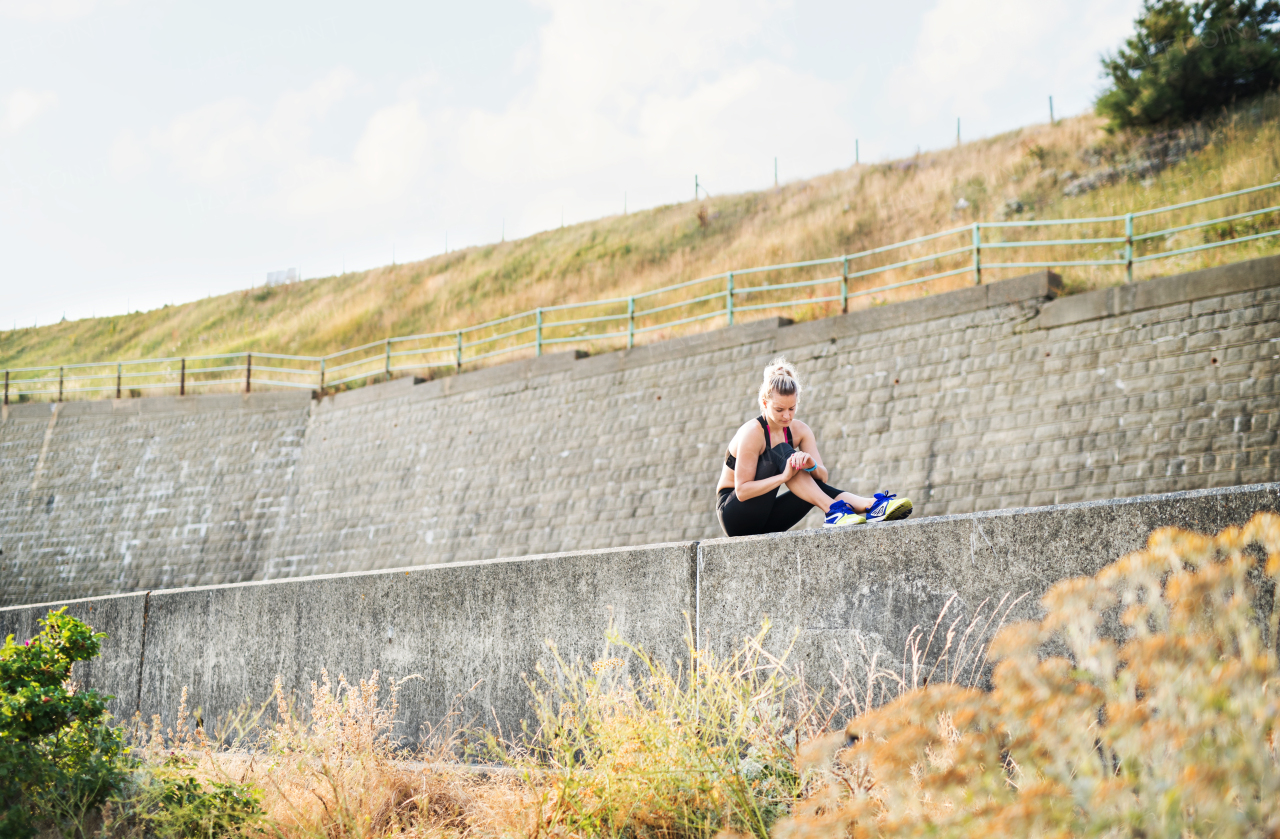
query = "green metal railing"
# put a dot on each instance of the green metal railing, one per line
(730, 295)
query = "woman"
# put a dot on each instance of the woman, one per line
(775, 449)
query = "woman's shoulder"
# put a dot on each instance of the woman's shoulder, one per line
(749, 430)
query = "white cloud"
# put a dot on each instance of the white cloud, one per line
(23, 107)
(271, 162)
(46, 10)
(654, 87)
(970, 54)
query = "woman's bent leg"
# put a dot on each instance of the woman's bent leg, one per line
(789, 509)
(810, 489)
(745, 518)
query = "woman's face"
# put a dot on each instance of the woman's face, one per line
(780, 410)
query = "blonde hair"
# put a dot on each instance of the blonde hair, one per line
(780, 377)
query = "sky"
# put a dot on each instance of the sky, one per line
(157, 152)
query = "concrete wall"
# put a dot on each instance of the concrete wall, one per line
(843, 595)
(991, 397)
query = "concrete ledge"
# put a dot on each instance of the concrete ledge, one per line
(481, 625)
(844, 595)
(854, 593)
(150, 405)
(1163, 291)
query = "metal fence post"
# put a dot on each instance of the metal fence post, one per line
(322, 374)
(844, 287)
(248, 370)
(59, 384)
(631, 322)
(182, 379)
(1128, 247)
(728, 298)
(119, 374)
(538, 333)
(459, 350)
(977, 253)
(6, 387)
(387, 363)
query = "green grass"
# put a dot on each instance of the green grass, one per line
(845, 211)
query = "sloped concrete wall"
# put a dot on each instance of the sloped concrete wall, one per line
(124, 495)
(475, 631)
(992, 397)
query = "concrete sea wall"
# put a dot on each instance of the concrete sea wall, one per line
(474, 631)
(992, 397)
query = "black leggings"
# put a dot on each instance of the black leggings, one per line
(772, 512)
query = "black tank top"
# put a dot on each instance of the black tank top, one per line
(774, 461)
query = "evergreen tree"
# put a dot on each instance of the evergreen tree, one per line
(1186, 60)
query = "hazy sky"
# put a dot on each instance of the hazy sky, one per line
(156, 152)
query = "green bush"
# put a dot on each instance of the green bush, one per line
(1187, 60)
(59, 759)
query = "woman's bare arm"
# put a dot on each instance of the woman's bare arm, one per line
(808, 443)
(750, 439)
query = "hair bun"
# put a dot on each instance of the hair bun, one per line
(780, 377)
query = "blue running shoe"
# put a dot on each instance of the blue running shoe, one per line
(841, 513)
(888, 507)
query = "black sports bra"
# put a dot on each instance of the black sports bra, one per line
(732, 462)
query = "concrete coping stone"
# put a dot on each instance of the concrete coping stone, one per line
(149, 405)
(1165, 291)
(1015, 512)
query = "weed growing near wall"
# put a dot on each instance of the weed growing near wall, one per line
(1154, 716)
(59, 759)
(1160, 720)
(65, 770)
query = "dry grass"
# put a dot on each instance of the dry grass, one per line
(1161, 722)
(1158, 720)
(846, 211)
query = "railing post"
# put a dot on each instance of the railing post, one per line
(6, 387)
(1128, 247)
(538, 331)
(119, 375)
(844, 288)
(977, 253)
(59, 384)
(631, 322)
(387, 363)
(459, 350)
(728, 298)
(248, 370)
(182, 379)
(322, 375)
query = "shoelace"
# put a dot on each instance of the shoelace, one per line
(882, 501)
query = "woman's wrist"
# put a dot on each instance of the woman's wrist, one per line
(811, 468)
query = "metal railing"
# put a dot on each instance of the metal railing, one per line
(622, 321)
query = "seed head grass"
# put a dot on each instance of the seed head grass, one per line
(1143, 703)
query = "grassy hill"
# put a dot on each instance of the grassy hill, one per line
(1069, 170)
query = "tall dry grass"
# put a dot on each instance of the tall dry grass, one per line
(1160, 721)
(847, 211)
(1157, 717)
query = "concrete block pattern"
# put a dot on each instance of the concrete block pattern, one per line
(991, 397)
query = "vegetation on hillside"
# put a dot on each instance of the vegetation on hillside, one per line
(1069, 170)
(1154, 715)
(1188, 60)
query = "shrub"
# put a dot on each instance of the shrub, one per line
(59, 759)
(62, 762)
(1161, 722)
(1187, 60)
